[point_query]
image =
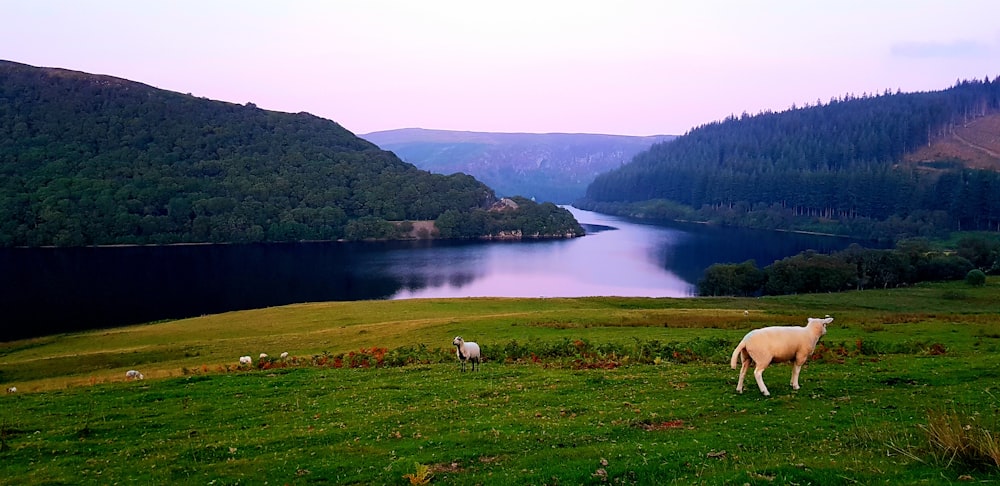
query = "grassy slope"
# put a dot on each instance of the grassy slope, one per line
(510, 423)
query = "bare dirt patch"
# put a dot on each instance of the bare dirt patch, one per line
(975, 144)
(423, 230)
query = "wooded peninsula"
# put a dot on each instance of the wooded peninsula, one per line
(96, 160)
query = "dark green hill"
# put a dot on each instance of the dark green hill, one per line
(94, 160)
(835, 167)
(553, 167)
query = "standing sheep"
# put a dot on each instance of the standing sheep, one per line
(777, 344)
(133, 375)
(245, 360)
(467, 351)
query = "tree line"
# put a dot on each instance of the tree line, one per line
(97, 160)
(832, 167)
(912, 261)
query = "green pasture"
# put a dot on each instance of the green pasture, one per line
(903, 390)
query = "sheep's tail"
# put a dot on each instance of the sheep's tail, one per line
(735, 360)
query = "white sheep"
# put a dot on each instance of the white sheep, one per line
(284, 355)
(777, 344)
(133, 375)
(245, 360)
(12, 389)
(467, 351)
(263, 355)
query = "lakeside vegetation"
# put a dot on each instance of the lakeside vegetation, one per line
(574, 391)
(971, 257)
(837, 167)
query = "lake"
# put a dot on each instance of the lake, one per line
(46, 290)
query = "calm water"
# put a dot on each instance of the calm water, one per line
(43, 291)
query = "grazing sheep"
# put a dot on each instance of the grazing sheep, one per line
(284, 355)
(133, 375)
(777, 344)
(467, 351)
(245, 360)
(12, 389)
(263, 355)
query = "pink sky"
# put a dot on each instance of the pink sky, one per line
(617, 67)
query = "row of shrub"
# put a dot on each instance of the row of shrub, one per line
(582, 354)
(858, 268)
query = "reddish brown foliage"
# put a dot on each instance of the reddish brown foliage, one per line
(665, 425)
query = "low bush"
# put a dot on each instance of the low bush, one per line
(975, 278)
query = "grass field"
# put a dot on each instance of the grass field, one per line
(903, 390)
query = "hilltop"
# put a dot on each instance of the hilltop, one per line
(96, 160)
(545, 166)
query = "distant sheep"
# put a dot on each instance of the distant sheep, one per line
(284, 355)
(245, 360)
(777, 344)
(12, 389)
(263, 355)
(133, 375)
(467, 351)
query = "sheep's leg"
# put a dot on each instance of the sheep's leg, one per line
(743, 374)
(799, 362)
(795, 376)
(758, 374)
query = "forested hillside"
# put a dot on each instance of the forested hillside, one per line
(91, 160)
(554, 167)
(836, 167)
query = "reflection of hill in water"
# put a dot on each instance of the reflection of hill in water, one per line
(50, 290)
(591, 228)
(704, 246)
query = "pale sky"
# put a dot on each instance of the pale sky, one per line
(628, 67)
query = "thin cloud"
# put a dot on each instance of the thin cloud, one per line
(963, 49)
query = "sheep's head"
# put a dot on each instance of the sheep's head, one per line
(815, 321)
(458, 341)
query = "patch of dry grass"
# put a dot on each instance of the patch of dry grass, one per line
(964, 439)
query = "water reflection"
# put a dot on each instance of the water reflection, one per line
(43, 291)
(615, 258)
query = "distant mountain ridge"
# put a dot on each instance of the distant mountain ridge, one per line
(554, 167)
